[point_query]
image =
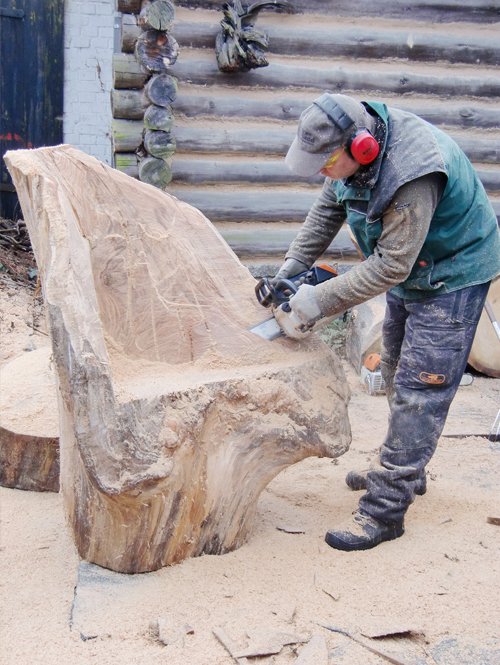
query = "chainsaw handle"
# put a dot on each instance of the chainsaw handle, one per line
(274, 294)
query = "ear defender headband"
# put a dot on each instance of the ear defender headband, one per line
(362, 145)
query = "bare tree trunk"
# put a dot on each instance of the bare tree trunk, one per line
(174, 417)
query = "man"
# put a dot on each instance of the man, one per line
(430, 237)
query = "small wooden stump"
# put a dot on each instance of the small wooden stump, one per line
(29, 424)
(485, 353)
(364, 332)
(173, 416)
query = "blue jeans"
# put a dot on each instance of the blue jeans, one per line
(425, 347)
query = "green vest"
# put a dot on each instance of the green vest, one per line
(462, 247)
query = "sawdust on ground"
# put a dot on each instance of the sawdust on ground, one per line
(439, 581)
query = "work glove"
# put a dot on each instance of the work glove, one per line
(289, 269)
(305, 305)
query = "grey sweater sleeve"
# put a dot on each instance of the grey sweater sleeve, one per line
(405, 225)
(320, 227)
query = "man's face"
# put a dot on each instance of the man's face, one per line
(343, 167)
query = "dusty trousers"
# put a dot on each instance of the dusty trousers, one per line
(425, 347)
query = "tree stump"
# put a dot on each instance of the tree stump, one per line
(29, 424)
(174, 417)
(364, 331)
(485, 353)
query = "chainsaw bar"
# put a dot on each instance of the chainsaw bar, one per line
(268, 329)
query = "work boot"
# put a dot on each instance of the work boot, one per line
(357, 481)
(363, 533)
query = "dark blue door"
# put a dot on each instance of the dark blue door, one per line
(31, 81)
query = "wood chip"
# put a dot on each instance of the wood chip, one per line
(229, 645)
(374, 632)
(267, 642)
(493, 520)
(290, 529)
(168, 633)
(315, 653)
(333, 594)
(392, 658)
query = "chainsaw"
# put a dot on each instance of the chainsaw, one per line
(371, 375)
(277, 296)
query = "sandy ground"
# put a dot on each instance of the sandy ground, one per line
(437, 586)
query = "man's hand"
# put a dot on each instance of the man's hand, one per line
(305, 305)
(289, 269)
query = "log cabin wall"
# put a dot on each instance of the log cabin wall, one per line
(440, 61)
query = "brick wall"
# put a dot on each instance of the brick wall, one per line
(88, 78)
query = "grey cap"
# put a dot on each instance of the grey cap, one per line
(324, 127)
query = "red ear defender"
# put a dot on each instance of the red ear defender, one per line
(364, 147)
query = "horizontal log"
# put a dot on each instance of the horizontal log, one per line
(337, 79)
(194, 139)
(127, 72)
(127, 163)
(490, 179)
(130, 104)
(350, 43)
(276, 242)
(250, 206)
(209, 172)
(470, 11)
(127, 135)
(206, 172)
(257, 206)
(290, 109)
(126, 6)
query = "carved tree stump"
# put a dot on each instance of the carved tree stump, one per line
(173, 416)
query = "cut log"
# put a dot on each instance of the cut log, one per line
(290, 109)
(159, 15)
(485, 352)
(127, 135)
(129, 104)
(162, 90)
(129, 6)
(174, 417)
(159, 117)
(259, 206)
(478, 11)
(267, 141)
(29, 423)
(159, 144)
(127, 72)
(338, 79)
(156, 51)
(205, 172)
(127, 163)
(353, 43)
(364, 331)
(154, 171)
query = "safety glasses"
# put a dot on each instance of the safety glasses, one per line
(333, 159)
